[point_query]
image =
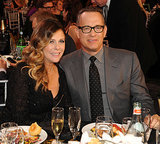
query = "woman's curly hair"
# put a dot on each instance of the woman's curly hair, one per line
(33, 54)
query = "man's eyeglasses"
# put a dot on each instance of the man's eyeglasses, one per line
(88, 29)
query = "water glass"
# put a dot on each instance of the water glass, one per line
(146, 116)
(74, 120)
(103, 125)
(2, 138)
(21, 136)
(57, 121)
(157, 137)
(10, 131)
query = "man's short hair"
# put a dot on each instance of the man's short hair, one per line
(89, 9)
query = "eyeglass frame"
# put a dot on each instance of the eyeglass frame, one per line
(81, 28)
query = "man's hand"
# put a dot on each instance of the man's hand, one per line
(155, 122)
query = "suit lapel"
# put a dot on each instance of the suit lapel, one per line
(111, 69)
(78, 71)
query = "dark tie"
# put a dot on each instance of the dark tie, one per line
(96, 102)
(105, 12)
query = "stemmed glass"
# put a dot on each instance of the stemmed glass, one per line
(103, 125)
(74, 120)
(125, 123)
(10, 131)
(146, 118)
(57, 121)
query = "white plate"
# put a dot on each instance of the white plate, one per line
(43, 134)
(88, 128)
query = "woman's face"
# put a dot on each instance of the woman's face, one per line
(60, 5)
(55, 49)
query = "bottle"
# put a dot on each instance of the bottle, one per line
(136, 127)
(4, 39)
(20, 45)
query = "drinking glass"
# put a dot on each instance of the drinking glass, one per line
(10, 131)
(157, 136)
(125, 123)
(20, 138)
(74, 120)
(146, 117)
(103, 125)
(57, 121)
(2, 138)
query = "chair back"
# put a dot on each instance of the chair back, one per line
(14, 20)
(3, 92)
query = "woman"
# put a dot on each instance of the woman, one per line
(71, 9)
(38, 84)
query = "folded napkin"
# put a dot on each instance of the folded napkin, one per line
(85, 138)
(122, 139)
(73, 142)
(119, 139)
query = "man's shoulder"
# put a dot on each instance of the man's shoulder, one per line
(71, 56)
(117, 51)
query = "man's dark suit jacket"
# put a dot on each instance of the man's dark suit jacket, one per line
(126, 29)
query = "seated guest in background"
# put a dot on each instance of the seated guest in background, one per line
(121, 81)
(126, 29)
(58, 7)
(49, 5)
(154, 31)
(70, 12)
(42, 14)
(38, 84)
(145, 12)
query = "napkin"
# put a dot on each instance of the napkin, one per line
(122, 139)
(85, 138)
(73, 142)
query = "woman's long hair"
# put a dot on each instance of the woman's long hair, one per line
(33, 54)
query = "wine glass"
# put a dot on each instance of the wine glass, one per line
(20, 138)
(146, 118)
(10, 131)
(74, 120)
(125, 123)
(103, 125)
(57, 121)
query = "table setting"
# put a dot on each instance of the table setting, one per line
(103, 131)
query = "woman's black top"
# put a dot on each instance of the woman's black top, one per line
(25, 105)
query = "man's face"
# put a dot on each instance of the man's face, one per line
(91, 42)
(100, 3)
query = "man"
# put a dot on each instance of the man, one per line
(122, 79)
(126, 29)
